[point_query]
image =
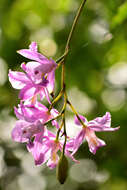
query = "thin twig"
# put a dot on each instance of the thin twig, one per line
(74, 25)
(75, 112)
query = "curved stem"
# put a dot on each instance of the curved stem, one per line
(75, 112)
(64, 123)
(62, 57)
(58, 132)
(46, 123)
(65, 134)
(74, 25)
(56, 100)
(69, 40)
(61, 61)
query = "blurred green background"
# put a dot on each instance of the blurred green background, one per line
(96, 76)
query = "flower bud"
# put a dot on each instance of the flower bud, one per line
(62, 169)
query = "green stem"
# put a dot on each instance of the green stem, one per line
(58, 132)
(64, 123)
(56, 100)
(65, 134)
(63, 77)
(46, 123)
(75, 112)
(69, 39)
(62, 57)
(74, 25)
(60, 61)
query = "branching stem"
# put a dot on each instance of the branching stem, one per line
(61, 61)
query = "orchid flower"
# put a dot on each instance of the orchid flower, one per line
(45, 149)
(24, 131)
(88, 132)
(32, 119)
(39, 75)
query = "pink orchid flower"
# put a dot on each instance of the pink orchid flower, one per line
(88, 132)
(24, 131)
(45, 149)
(39, 76)
(31, 121)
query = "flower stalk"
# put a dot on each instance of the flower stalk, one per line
(61, 61)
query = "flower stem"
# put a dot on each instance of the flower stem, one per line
(69, 40)
(56, 99)
(65, 134)
(61, 61)
(49, 121)
(74, 25)
(58, 132)
(75, 112)
(62, 58)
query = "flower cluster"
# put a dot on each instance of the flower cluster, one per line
(36, 82)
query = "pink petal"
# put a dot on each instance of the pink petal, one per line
(44, 67)
(17, 132)
(32, 55)
(33, 46)
(55, 123)
(27, 92)
(31, 113)
(105, 120)
(70, 144)
(71, 156)
(41, 107)
(99, 128)
(54, 113)
(51, 163)
(18, 79)
(18, 113)
(78, 141)
(31, 68)
(77, 122)
(24, 131)
(37, 70)
(93, 142)
(37, 149)
(102, 123)
(23, 66)
(46, 93)
(51, 79)
(54, 157)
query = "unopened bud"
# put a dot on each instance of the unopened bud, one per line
(62, 169)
